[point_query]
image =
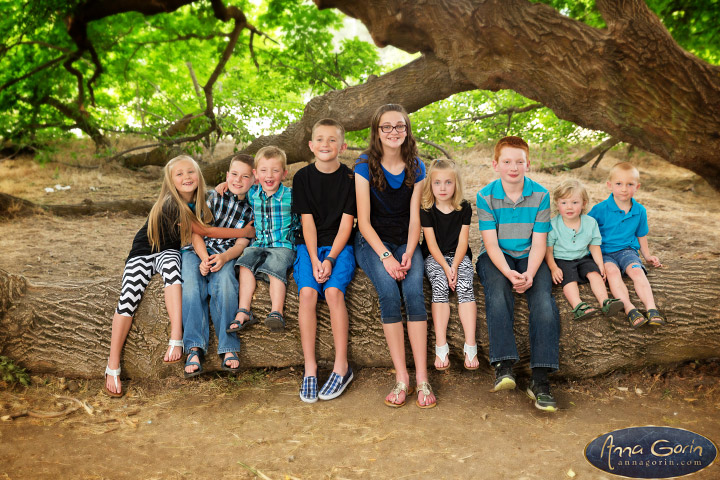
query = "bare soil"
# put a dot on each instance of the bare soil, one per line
(254, 425)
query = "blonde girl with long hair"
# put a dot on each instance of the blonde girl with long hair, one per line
(445, 220)
(179, 211)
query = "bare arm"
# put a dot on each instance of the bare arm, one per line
(414, 226)
(462, 246)
(198, 244)
(555, 271)
(645, 250)
(247, 231)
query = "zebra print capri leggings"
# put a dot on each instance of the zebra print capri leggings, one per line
(439, 281)
(137, 274)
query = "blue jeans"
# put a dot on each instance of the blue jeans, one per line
(499, 310)
(388, 289)
(222, 287)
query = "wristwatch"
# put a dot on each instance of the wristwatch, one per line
(385, 255)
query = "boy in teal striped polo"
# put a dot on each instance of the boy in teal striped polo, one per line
(514, 220)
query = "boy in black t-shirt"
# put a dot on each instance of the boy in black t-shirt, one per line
(324, 197)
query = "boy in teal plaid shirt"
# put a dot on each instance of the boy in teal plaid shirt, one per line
(272, 252)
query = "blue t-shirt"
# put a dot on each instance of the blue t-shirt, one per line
(620, 230)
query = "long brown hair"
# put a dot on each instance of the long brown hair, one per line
(169, 196)
(408, 150)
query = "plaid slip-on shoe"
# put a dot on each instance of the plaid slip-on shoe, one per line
(336, 385)
(308, 390)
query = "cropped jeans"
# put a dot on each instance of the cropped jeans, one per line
(499, 309)
(222, 288)
(390, 291)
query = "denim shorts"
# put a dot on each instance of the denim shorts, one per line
(576, 270)
(624, 258)
(342, 272)
(264, 261)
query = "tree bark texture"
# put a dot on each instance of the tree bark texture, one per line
(63, 328)
(11, 207)
(631, 79)
(415, 85)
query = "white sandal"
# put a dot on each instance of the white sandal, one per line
(175, 343)
(115, 374)
(443, 353)
(471, 352)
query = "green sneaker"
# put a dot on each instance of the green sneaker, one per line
(543, 398)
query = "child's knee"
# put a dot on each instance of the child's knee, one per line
(308, 294)
(635, 271)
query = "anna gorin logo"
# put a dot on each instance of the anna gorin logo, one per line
(651, 452)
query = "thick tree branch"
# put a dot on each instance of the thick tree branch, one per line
(631, 80)
(354, 106)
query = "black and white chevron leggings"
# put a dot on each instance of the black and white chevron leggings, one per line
(439, 281)
(137, 274)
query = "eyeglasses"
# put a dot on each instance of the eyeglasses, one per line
(399, 128)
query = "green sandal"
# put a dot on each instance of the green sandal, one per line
(611, 307)
(580, 312)
(655, 318)
(636, 318)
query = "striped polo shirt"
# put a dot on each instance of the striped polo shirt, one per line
(514, 222)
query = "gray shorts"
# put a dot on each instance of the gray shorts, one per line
(264, 261)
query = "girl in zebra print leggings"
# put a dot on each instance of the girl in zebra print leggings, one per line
(445, 219)
(179, 211)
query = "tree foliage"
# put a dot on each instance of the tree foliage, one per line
(153, 67)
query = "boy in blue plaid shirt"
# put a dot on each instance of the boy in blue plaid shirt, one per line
(273, 251)
(208, 270)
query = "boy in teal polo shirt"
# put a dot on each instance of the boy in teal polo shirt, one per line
(624, 228)
(514, 220)
(573, 251)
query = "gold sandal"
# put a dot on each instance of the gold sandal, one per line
(426, 390)
(399, 387)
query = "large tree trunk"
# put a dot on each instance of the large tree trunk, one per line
(11, 207)
(631, 80)
(64, 328)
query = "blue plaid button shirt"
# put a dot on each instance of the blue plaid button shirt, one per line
(275, 225)
(228, 212)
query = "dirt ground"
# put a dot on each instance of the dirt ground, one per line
(254, 425)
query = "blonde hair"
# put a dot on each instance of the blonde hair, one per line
(428, 199)
(329, 122)
(269, 152)
(623, 167)
(569, 188)
(169, 197)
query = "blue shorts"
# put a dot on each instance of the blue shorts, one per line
(342, 272)
(264, 261)
(624, 258)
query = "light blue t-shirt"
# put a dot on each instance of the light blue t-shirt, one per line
(571, 245)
